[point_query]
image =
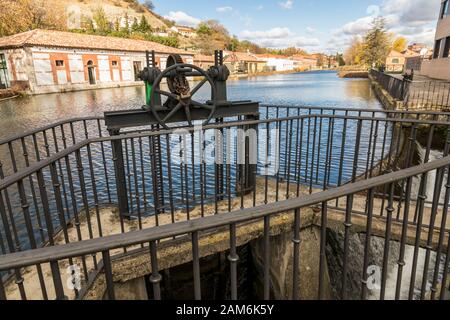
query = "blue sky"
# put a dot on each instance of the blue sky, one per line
(316, 25)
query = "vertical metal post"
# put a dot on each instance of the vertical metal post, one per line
(119, 169)
(246, 174)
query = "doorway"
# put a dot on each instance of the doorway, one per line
(91, 72)
(137, 66)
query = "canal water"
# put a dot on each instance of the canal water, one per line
(321, 89)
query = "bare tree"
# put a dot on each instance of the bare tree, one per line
(149, 5)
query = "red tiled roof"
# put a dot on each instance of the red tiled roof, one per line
(203, 58)
(51, 38)
(300, 57)
(269, 55)
(242, 56)
(394, 53)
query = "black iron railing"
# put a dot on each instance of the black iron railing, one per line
(23, 150)
(151, 239)
(415, 95)
(70, 195)
(396, 87)
(313, 153)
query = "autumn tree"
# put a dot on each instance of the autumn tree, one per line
(353, 54)
(23, 15)
(399, 44)
(211, 35)
(377, 44)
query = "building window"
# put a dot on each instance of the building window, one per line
(114, 63)
(59, 63)
(447, 48)
(4, 81)
(437, 49)
(395, 60)
(445, 9)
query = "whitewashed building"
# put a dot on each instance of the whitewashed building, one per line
(277, 63)
(43, 61)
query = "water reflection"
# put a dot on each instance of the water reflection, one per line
(322, 89)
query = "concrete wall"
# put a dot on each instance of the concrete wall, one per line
(47, 70)
(436, 68)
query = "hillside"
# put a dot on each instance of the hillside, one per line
(114, 9)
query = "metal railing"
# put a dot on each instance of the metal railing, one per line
(63, 198)
(22, 150)
(416, 95)
(396, 87)
(151, 240)
(318, 152)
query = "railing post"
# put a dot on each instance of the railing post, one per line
(247, 170)
(119, 169)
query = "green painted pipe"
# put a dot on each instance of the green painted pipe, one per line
(148, 93)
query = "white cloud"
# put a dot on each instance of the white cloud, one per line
(182, 18)
(279, 38)
(288, 5)
(413, 19)
(259, 8)
(310, 29)
(224, 9)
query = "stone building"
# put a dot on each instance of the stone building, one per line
(304, 62)
(43, 61)
(203, 61)
(242, 62)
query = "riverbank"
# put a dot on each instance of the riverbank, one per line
(353, 72)
(6, 94)
(272, 73)
(388, 102)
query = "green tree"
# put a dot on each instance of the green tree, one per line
(126, 28)
(204, 29)
(144, 26)
(135, 25)
(377, 44)
(117, 24)
(102, 24)
(233, 45)
(340, 59)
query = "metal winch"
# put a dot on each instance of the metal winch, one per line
(180, 107)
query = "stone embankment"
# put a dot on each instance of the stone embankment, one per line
(353, 72)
